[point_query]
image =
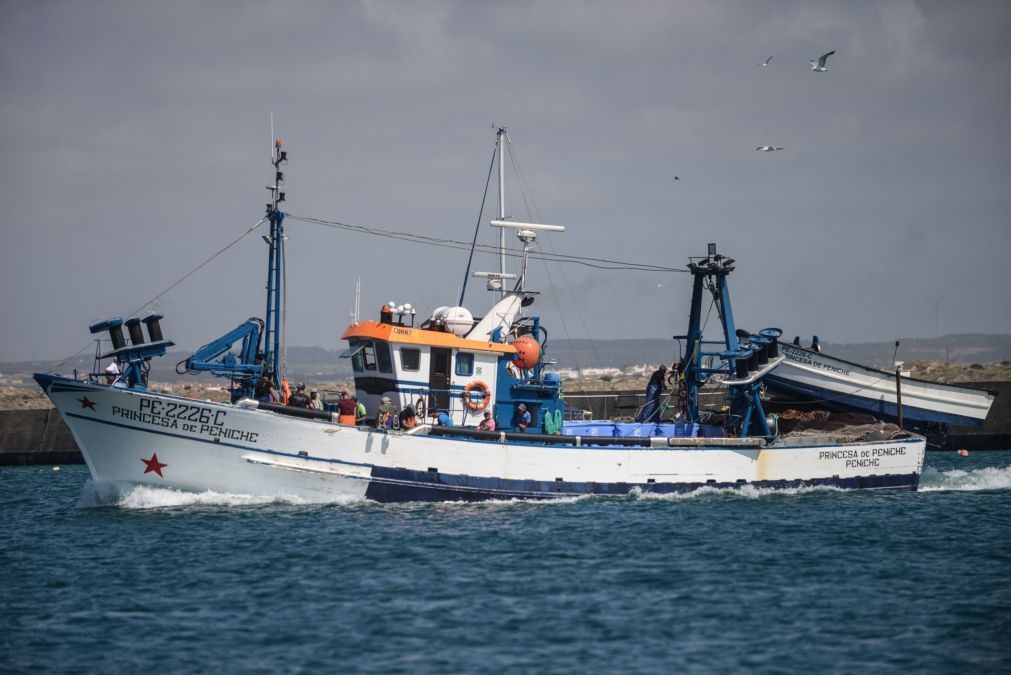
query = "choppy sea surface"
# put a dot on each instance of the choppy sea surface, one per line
(154, 580)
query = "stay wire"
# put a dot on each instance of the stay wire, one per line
(599, 263)
(524, 189)
(477, 228)
(176, 283)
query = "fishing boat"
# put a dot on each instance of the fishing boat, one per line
(807, 375)
(458, 366)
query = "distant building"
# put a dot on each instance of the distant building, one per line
(600, 372)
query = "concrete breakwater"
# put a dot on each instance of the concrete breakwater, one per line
(39, 436)
(36, 437)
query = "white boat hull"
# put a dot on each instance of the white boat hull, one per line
(143, 438)
(837, 384)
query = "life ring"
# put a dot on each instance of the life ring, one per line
(485, 395)
(419, 408)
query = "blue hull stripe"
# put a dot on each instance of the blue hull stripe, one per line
(833, 400)
(403, 485)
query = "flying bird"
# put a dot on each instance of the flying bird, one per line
(766, 62)
(819, 65)
(768, 148)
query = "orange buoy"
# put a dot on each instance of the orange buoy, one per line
(963, 453)
(528, 352)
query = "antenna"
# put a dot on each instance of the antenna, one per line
(358, 297)
(937, 305)
(272, 136)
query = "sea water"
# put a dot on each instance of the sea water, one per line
(156, 580)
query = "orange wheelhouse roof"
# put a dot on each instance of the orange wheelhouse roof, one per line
(417, 336)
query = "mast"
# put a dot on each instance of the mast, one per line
(275, 268)
(500, 140)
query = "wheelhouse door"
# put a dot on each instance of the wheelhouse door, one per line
(438, 379)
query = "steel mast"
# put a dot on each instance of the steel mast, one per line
(275, 268)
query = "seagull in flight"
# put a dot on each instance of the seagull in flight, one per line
(819, 65)
(768, 148)
(766, 62)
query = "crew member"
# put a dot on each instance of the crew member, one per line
(657, 385)
(265, 391)
(488, 423)
(444, 420)
(360, 411)
(346, 410)
(521, 420)
(386, 416)
(112, 373)
(315, 402)
(407, 418)
(299, 399)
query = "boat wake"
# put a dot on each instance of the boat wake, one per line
(743, 492)
(989, 478)
(139, 497)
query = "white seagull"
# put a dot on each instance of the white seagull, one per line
(768, 148)
(819, 65)
(766, 62)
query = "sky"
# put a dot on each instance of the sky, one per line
(136, 143)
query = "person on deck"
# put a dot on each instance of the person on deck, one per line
(488, 423)
(315, 402)
(521, 420)
(360, 412)
(408, 420)
(386, 415)
(444, 420)
(112, 373)
(346, 410)
(299, 399)
(657, 385)
(266, 392)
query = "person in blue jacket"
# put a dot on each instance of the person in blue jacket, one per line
(521, 420)
(657, 385)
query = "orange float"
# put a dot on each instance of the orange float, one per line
(528, 352)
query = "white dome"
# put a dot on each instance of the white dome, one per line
(458, 320)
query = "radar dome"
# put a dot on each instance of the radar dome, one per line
(528, 352)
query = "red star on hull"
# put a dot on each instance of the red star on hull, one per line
(85, 403)
(153, 464)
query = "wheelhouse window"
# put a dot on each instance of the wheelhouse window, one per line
(464, 364)
(410, 359)
(368, 356)
(354, 352)
(383, 357)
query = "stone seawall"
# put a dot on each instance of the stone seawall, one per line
(36, 437)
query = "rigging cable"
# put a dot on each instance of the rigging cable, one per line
(176, 283)
(477, 227)
(524, 189)
(600, 263)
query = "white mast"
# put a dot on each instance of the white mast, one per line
(501, 205)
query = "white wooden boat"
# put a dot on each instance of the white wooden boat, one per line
(836, 384)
